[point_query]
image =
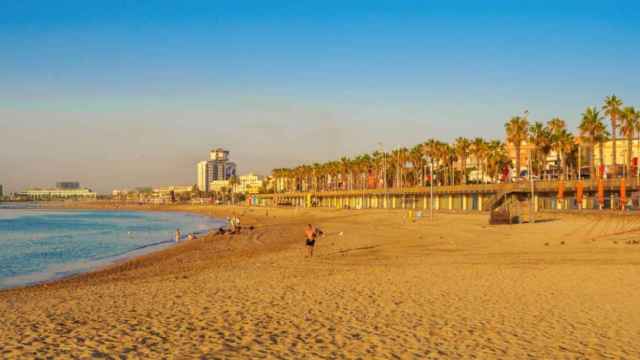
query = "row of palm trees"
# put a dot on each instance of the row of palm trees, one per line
(592, 131)
(402, 167)
(477, 160)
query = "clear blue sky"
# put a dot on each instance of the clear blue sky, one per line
(129, 93)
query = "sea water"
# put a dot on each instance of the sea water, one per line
(39, 245)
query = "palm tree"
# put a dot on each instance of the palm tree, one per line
(556, 127)
(540, 138)
(449, 154)
(479, 151)
(333, 169)
(430, 150)
(233, 181)
(497, 158)
(442, 154)
(377, 159)
(629, 122)
(399, 159)
(591, 128)
(612, 108)
(362, 166)
(461, 147)
(517, 129)
(345, 169)
(565, 144)
(417, 161)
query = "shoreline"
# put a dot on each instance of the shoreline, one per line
(121, 262)
(110, 262)
(128, 262)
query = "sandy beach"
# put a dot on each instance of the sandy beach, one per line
(379, 286)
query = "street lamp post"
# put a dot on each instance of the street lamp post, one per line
(431, 190)
(533, 197)
(364, 178)
(532, 207)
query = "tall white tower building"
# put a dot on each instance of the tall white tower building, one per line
(218, 167)
(203, 176)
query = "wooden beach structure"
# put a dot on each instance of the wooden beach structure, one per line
(547, 195)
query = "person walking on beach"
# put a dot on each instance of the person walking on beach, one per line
(311, 234)
(178, 235)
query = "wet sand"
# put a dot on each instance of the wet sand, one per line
(568, 287)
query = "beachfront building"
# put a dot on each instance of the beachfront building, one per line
(551, 161)
(249, 184)
(175, 189)
(59, 193)
(526, 150)
(622, 147)
(172, 193)
(140, 194)
(219, 185)
(218, 167)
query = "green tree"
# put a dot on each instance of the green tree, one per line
(612, 109)
(629, 123)
(430, 151)
(556, 128)
(591, 130)
(233, 183)
(497, 158)
(540, 138)
(462, 147)
(565, 145)
(517, 129)
(479, 152)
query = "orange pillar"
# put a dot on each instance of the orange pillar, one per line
(579, 193)
(623, 193)
(601, 193)
(560, 194)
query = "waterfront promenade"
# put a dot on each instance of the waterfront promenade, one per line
(471, 197)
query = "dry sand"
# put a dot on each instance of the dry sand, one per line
(387, 288)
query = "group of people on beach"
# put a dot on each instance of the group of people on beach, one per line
(178, 237)
(311, 233)
(233, 227)
(233, 224)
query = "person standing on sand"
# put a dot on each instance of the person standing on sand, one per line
(231, 225)
(312, 234)
(236, 221)
(178, 235)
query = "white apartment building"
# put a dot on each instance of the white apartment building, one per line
(203, 176)
(44, 194)
(217, 168)
(249, 184)
(218, 185)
